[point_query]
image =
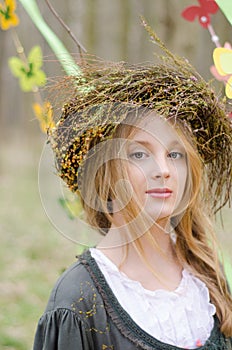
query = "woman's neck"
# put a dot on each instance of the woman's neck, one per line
(158, 234)
(153, 254)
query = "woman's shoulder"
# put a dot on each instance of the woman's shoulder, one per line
(75, 312)
(74, 286)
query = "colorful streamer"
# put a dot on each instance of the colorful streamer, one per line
(226, 7)
(64, 57)
(227, 263)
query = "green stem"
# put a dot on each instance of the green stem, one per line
(64, 57)
(19, 47)
(226, 7)
(79, 45)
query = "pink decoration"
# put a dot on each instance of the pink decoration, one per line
(199, 343)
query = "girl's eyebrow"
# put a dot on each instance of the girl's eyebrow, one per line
(141, 142)
(176, 143)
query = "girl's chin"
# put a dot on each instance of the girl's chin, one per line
(160, 213)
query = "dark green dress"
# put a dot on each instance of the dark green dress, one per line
(83, 314)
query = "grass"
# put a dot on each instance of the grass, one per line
(32, 252)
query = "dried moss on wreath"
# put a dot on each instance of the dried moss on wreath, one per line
(100, 98)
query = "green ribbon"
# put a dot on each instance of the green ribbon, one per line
(226, 7)
(228, 269)
(64, 57)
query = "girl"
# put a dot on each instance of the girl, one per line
(148, 150)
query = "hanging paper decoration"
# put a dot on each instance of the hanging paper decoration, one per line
(72, 206)
(216, 73)
(28, 71)
(8, 17)
(202, 12)
(44, 114)
(64, 57)
(222, 57)
(226, 7)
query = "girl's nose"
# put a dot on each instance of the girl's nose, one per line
(161, 169)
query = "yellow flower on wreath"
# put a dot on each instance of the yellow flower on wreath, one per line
(8, 17)
(44, 114)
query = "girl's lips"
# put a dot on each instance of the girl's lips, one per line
(160, 192)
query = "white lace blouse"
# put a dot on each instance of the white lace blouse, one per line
(183, 317)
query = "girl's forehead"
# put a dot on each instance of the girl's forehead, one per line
(155, 128)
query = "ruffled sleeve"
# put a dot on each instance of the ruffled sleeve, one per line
(61, 329)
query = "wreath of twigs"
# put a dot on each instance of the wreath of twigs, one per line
(103, 95)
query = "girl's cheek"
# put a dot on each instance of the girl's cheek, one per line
(136, 174)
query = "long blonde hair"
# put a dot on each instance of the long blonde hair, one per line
(196, 243)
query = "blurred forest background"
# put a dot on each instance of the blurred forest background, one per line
(32, 252)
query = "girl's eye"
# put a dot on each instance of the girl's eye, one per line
(175, 155)
(138, 155)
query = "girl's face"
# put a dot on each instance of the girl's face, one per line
(157, 167)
